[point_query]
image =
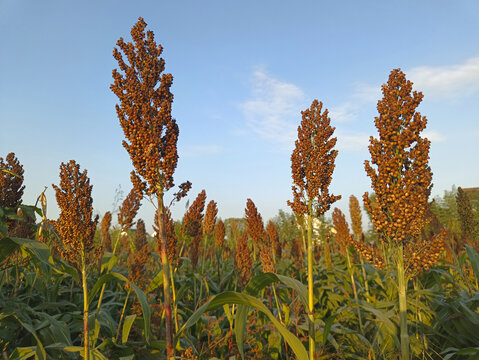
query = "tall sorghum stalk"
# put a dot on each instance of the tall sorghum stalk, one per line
(356, 224)
(209, 223)
(192, 227)
(76, 228)
(220, 232)
(343, 238)
(312, 165)
(127, 212)
(401, 180)
(151, 134)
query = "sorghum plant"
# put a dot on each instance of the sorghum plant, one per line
(105, 231)
(192, 225)
(151, 133)
(209, 223)
(343, 239)
(312, 165)
(356, 224)
(128, 211)
(273, 236)
(401, 180)
(356, 218)
(76, 227)
(243, 260)
(220, 232)
(254, 224)
(11, 181)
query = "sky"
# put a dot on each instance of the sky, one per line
(243, 72)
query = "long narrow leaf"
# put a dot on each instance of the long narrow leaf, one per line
(231, 297)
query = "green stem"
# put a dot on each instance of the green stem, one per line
(122, 315)
(310, 282)
(175, 307)
(86, 344)
(366, 284)
(277, 304)
(353, 284)
(170, 351)
(402, 286)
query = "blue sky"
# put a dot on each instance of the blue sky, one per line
(243, 71)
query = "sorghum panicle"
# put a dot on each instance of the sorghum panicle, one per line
(356, 217)
(265, 255)
(192, 225)
(171, 238)
(220, 235)
(210, 218)
(254, 222)
(243, 259)
(272, 233)
(11, 186)
(128, 210)
(145, 111)
(75, 225)
(312, 162)
(401, 178)
(105, 231)
(297, 253)
(342, 234)
(138, 258)
(370, 253)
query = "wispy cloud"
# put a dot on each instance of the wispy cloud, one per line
(201, 150)
(434, 136)
(345, 112)
(274, 110)
(435, 82)
(450, 81)
(352, 142)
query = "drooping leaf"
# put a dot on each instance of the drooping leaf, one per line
(231, 297)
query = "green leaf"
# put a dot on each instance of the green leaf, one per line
(260, 281)
(23, 353)
(127, 327)
(240, 326)
(63, 268)
(156, 282)
(139, 294)
(231, 297)
(108, 262)
(40, 353)
(474, 259)
(34, 248)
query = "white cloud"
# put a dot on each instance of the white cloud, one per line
(433, 136)
(345, 112)
(449, 81)
(274, 112)
(352, 142)
(201, 150)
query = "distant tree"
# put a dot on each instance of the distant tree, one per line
(469, 225)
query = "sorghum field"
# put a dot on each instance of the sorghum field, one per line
(295, 287)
